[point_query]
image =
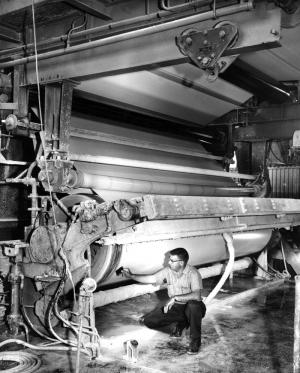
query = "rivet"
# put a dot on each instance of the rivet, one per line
(222, 34)
(189, 41)
(205, 60)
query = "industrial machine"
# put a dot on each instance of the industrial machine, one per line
(130, 128)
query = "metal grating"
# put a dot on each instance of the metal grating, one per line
(285, 181)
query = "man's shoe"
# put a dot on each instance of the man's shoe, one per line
(194, 347)
(176, 332)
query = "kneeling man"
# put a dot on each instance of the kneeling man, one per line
(185, 307)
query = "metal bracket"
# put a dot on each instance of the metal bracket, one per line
(205, 47)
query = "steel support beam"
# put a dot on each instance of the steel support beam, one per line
(8, 6)
(155, 46)
(20, 92)
(10, 35)
(193, 216)
(93, 7)
(279, 130)
(181, 79)
(275, 122)
(57, 116)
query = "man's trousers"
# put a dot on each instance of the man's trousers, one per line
(184, 315)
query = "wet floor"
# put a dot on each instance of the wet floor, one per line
(249, 334)
(252, 333)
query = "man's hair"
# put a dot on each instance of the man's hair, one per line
(181, 253)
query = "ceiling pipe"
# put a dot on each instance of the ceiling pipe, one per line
(164, 4)
(112, 27)
(86, 180)
(156, 166)
(241, 7)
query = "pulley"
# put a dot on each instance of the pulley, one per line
(205, 47)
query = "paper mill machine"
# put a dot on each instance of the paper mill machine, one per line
(107, 156)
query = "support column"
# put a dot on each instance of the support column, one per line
(57, 116)
(297, 326)
(20, 92)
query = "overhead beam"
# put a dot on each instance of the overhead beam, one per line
(180, 79)
(155, 46)
(9, 6)
(93, 7)
(275, 122)
(10, 35)
(135, 109)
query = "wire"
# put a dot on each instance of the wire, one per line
(263, 269)
(43, 348)
(49, 313)
(40, 108)
(67, 273)
(27, 319)
(26, 362)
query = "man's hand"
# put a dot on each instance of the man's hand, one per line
(169, 305)
(126, 273)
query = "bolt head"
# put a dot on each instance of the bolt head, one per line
(222, 34)
(189, 41)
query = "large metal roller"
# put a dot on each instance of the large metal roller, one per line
(145, 258)
(118, 162)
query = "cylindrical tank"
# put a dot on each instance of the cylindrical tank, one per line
(149, 257)
(91, 136)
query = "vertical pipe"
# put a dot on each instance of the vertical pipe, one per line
(297, 326)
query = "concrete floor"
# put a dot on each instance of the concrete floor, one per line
(252, 333)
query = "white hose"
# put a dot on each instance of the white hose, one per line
(42, 348)
(27, 363)
(229, 241)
